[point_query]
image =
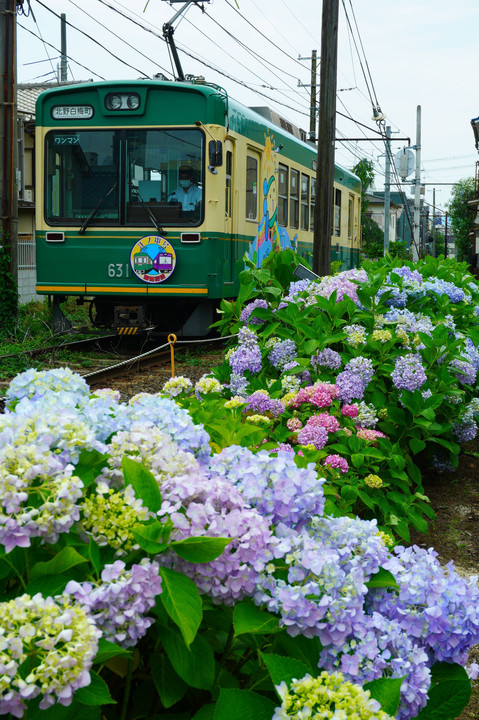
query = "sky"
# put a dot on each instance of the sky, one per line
(398, 56)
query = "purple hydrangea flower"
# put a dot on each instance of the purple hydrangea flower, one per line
(350, 386)
(327, 358)
(260, 402)
(245, 315)
(275, 486)
(408, 373)
(282, 353)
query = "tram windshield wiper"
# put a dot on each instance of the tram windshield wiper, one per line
(135, 191)
(96, 209)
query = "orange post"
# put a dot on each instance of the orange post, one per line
(172, 340)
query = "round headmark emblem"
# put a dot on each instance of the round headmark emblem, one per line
(152, 259)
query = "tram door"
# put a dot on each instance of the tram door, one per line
(229, 213)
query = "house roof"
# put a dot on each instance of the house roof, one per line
(27, 94)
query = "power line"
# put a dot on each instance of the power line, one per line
(59, 51)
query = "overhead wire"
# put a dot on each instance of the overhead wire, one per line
(147, 57)
(82, 32)
(57, 50)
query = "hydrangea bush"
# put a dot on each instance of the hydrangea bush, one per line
(375, 368)
(180, 577)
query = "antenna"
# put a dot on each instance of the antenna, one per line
(168, 31)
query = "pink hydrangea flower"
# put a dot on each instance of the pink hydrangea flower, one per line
(336, 461)
(294, 424)
(368, 434)
(350, 411)
(324, 420)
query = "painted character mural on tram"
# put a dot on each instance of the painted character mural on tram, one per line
(112, 157)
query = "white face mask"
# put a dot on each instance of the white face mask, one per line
(185, 183)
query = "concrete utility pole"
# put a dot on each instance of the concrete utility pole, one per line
(387, 188)
(8, 132)
(417, 193)
(434, 222)
(63, 61)
(312, 108)
(323, 209)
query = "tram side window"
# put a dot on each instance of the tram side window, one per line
(229, 167)
(350, 217)
(337, 212)
(251, 188)
(294, 199)
(313, 201)
(283, 195)
(304, 202)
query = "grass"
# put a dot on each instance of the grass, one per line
(33, 329)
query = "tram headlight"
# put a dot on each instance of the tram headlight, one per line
(133, 101)
(113, 102)
(122, 101)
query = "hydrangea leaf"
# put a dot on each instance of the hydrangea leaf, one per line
(90, 465)
(236, 704)
(148, 536)
(386, 691)
(108, 650)
(200, 549)
(196, 664)
(449, 693)
(383, 579)
(248, 618)
(143, 482)
(171, 688)
(283, 668)
(182, 602)
(66, 559)
(96, 693)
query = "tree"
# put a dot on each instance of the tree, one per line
(372, 237)
(461, 216)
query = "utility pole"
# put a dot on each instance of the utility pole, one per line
(433, 222)
(312, 108)
(8, 136)
(387, 188)
(417, 193)
(323, 209)
(63, 61)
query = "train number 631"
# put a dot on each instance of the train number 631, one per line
(118, 270)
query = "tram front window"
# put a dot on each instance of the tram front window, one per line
(82, 167)
(118, 177)
(165, 173)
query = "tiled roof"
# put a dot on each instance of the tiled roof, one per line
(27, 95)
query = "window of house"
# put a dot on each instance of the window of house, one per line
(304, 202)
(283, 195)
(251, 188)
(294, 199)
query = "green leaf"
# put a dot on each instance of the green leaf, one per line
(196, 664)
(284, 668)
(182, 602)
(416, 445)
(200, 549)
(241, 704)
(143, 482)
(90, 465)
(96, 693)
(108, 650)
(382, 579)
(386, 691)
(248, 618)
(48, 585)
(149, 535)
(67, 558)
(450, 694)
(357, 459)
(169, 685)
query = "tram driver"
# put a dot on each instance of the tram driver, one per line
(187, 193)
